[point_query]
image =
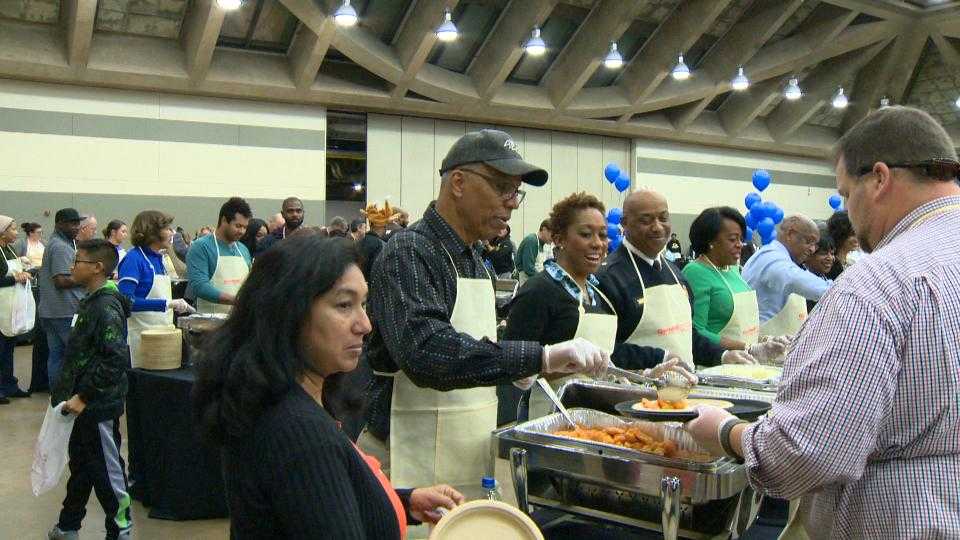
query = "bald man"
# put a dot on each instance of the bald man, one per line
(276, 222)
(783, 286)
(653, 301)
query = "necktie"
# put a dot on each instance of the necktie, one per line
(656, 264)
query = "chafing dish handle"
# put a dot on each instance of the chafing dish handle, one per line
(670, 505)
(518, 461)
(750, 501)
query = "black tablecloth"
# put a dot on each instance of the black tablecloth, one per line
(179, 478)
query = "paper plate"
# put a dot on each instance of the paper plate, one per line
(692, 404)
(743, 371)
(486, 519)
(746, 409)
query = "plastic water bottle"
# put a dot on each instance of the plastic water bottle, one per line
(491, 490)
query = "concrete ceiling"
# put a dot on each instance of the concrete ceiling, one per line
(291, 51)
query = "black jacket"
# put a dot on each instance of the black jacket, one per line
(96, 360)
(369, 247)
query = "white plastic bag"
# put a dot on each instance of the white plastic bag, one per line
(18, 310)
(50, 454)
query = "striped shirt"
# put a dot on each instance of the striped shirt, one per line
(866, 424)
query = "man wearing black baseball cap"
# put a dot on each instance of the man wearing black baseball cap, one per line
(433, 348)
(59, 295)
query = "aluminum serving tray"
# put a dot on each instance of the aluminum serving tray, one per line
(545, 427)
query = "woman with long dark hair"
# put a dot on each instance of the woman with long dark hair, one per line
(289, 470)
(256, 230)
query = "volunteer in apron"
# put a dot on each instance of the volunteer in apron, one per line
(433, 350)
(783, 286)
(143, 279)
(218, 263)
(13, 279)
(652, 300)
(564, 302)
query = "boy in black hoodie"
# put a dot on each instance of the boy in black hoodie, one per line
(93, 384)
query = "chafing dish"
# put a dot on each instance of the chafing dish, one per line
(724, 376)
(195, 329)
(689, 499)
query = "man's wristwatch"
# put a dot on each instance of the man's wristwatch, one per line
(724, 435)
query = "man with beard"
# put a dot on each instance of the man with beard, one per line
(218, 263)
(292, 213)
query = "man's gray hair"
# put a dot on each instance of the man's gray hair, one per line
(893, 135)
(339, 223)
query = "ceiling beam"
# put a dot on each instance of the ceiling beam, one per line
(819, 86)
(738, 45)
(914, 40)
(503, 48)
(306, 53)
(581, 57)
(78, 17)
(678, 32)
(416, 39)
(901, 12)
(869, 86)
(201, 28)
(823, 25)
(948, 52)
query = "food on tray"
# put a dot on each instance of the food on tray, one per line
(743, 371)
(630, 437)
(688, 404)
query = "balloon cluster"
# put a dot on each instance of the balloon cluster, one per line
(615, 176)
(621, 181)
(762, 216)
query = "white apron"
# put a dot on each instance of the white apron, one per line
(143, 320)
(744, 323)
(667, 320)
(597, 328)
(789, 320)
(230, 273)
(8, 297)
(444, 437)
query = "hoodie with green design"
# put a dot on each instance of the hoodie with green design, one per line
(96, 360)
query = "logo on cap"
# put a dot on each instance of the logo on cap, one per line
(510, 145)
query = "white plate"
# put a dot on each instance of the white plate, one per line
(692, 404)
(743, 371)
(486, 519)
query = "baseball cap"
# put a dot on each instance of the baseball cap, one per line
(67, 214)
(496, 149)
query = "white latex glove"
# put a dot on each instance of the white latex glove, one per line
(737, 357)
(667, 356)
(705, 428)
(575, 356)
(767, 351)
(674, 365)
(783, 340)
(180, 306)
(526, 382)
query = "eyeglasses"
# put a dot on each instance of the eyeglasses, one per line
(507, 194)
(939, 168)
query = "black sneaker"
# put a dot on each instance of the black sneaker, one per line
(4, 400)
(18, 394)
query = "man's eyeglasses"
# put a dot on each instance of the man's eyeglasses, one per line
(506, 190)
(940, 168)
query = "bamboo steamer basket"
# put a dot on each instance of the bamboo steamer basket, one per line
(161, 348)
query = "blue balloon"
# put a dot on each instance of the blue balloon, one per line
(613, 232)
(761, 179)
(751, 219)
(614, 244)
(778, 215)
(749, 236)
(611, 172)
(765, 227)
(622, 184)
(762, 210)
(751, 199)
(835, 201)
(615, 216)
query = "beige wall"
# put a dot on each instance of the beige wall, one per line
(43, 162)
(404, 155)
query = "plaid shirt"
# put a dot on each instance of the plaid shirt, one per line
(866, 423)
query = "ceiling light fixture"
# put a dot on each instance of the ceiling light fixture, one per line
(840, 101)
(447, 31)
(884, 102)
(613, 59)
(793, 92)
(345, 15)
(740, 82)
(680, 72)
(535, 46)
(957, 103)
(229, 5)
(357, 187)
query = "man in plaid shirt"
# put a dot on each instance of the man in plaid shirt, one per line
(866, 424)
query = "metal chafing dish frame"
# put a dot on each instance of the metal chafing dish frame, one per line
(624, 471)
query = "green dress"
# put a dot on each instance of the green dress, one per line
(712, 301)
